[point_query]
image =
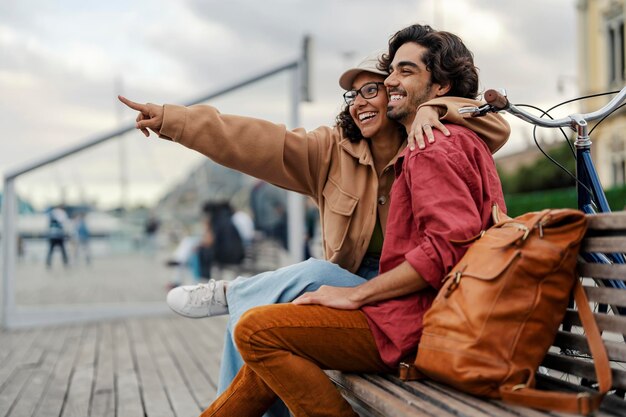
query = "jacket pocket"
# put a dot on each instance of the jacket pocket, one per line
(338, 210)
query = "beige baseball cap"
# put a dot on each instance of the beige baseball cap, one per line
(369, 64)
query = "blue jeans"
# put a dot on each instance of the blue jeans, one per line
(281, 286)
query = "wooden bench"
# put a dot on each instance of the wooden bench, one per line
(567, 365)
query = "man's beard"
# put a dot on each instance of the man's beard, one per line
(409, 109)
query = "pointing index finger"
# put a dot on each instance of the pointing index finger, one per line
(132, 104)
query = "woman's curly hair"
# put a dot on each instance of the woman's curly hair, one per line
(349, 128)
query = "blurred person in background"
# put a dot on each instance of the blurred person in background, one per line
(57, 225)
(269, 208)
(245, 226)
(151, 227)
(82, 236)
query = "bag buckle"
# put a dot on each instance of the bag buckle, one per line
(455, 283)
(521, 227)
(582, 401)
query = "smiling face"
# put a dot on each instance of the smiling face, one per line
(370, 114)
(409, 84)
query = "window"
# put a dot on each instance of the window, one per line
(615, 47)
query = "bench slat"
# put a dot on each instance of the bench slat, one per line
(610, 244)
(607, 221)
(609, 296)
(447, 399)
(615, 350)
(614, 271)
(606, 322)
(425, 401)
(581, 368)
(372, 397)
(491, 407)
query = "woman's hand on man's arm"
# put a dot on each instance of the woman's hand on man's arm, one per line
(426, 118)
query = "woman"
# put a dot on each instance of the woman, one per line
(348, 170)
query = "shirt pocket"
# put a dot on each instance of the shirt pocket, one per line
(338, 210)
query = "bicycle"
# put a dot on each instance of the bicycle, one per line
(591, 197)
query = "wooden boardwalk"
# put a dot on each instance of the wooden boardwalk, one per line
(155, 367)
(162, 366)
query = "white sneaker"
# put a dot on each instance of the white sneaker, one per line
(202, 300)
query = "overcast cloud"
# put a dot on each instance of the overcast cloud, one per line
(63, 62)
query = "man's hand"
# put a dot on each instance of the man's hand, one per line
(150, 115)
(335, 297)
(425, 120)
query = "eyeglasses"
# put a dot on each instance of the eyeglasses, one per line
(369, 90)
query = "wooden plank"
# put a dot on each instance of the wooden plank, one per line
(127, 386)
(606, 322)
(609, 271)
(444, 398)
(155, 399)
(103, 401)
(607, 221)
(386, 404)
(19, 356)
(52, 342)
(10, 394)
(421, 399)
(54, 398)
(204, 339)
(178, 392)
(615, 350)
(81, 382)
(201, 386)
(610, 296)
(581, 368)
(492, 407)
(605, 244)
(11, 341)
(20, 370)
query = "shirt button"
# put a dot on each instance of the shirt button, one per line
(382, 200)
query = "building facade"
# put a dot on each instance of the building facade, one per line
(602, 68)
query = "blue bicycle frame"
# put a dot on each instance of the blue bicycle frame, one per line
(591, 199)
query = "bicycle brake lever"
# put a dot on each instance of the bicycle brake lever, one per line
(476, 111)
(471, 109)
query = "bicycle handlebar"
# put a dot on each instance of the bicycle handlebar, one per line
(498, 101)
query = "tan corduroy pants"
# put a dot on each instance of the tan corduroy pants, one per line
(285, 348)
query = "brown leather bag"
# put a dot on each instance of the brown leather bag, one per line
(499, 310)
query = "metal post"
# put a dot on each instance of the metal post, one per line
(9, 240)
(295, 202)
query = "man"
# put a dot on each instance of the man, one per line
(441, 193)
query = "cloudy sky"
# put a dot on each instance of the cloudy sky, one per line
(63, 62)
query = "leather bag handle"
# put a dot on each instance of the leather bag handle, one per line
(582, 403)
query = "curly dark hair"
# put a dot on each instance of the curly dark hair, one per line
(447, 58)
(350, 130)
(348, 126)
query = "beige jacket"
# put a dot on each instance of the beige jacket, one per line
(337, 174)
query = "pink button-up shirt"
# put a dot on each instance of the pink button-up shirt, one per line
(441, 193)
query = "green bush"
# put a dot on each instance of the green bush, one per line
(520, 203)
(543, 174)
